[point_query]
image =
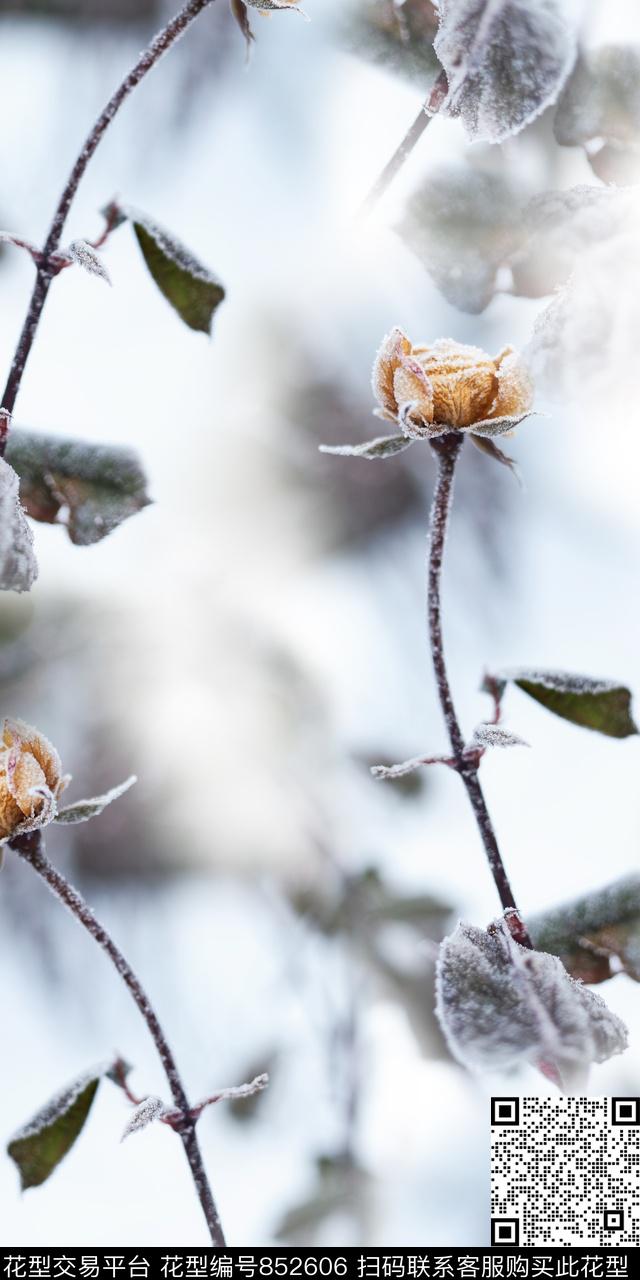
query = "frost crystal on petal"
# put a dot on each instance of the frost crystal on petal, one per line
(505, 60)
(501, 1006)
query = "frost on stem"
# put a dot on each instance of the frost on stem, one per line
(501, 1006)
(506, 60)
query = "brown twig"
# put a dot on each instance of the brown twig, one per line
(46, 270)
(447, 449)
(428, 110)
(29, 848)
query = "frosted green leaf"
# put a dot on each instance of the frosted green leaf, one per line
(39, 1146)
(597, 934)
(90, 488)
(381, 447)
(602, 705)
(191, 288)
(84, 810)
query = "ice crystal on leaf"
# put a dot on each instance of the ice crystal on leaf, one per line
(145, 1113)
(502, 1006)
(506, 60)
(602, 705)
(85, 256)
(39, 1146)
(18, 566)
(84, 810)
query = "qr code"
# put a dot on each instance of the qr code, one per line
(565, 1171)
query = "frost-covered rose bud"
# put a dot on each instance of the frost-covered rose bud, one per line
(448, 386)
(30, 779)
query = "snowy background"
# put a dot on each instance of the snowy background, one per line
(249, 643)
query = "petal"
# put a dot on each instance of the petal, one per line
(11, 814)
(515, 386)
(27, 784)
(18, 734)
(462, 397)
(393, 346)
(413, 392)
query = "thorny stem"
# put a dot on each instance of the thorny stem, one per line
(46, 269)
(428, 110)
(447, 449)
(29, 847)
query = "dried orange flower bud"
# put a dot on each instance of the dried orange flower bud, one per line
(448, 386)
(30, 779)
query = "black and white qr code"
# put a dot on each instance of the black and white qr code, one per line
(565, 1171)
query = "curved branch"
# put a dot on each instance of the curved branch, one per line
(46, 271)
(447, 449)
(29, 848)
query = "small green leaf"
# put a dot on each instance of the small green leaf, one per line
(602, 705)
(44, 1141)
(95, 486)
(381, 447)
(84, 810)
(193, 291)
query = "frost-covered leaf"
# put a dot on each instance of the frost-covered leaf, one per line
(267, 5)
(602, 705)
(497, 426)
(476, 232)
(463, 224)
(397, 38)
(239, 11)
(85, 256)
(557, 228)
(381, 447)
(501, 1006)
(90, 488)
(39, 1146)
(599, 109)
(145, 1113)
(596, 935)
(493, 735)
(491, 449)
(18, 566)
(506, 60)
(84, 810)
(191, 288)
